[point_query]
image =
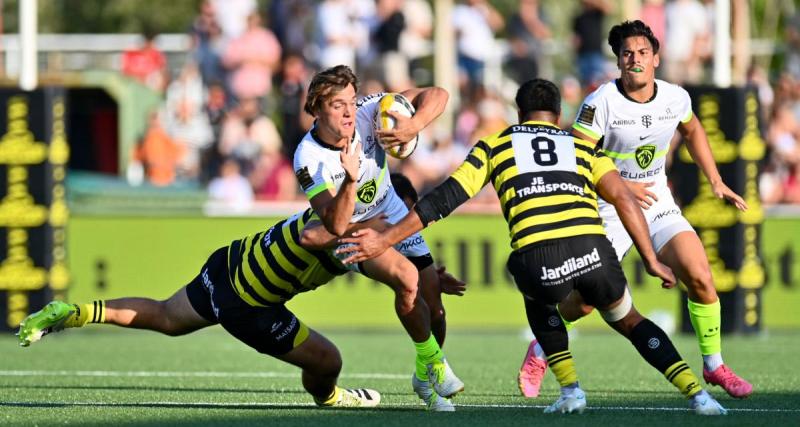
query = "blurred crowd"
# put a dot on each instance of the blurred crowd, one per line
(232, 115)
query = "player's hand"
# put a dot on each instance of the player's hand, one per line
(449, 284)
(363, 245)
(404, 130)
(657, 269)
(645, 197)
(349, 159)
(723, 192)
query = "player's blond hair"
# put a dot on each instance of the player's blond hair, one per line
(326, 84)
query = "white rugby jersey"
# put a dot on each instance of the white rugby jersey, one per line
(318, 167)
(636, 135)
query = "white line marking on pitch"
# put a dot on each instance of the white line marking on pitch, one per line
(395, 405)
(180, 374)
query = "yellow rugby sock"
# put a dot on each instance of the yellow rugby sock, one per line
(330, 400)
(93, 312)
(563, 366)
(682, 377)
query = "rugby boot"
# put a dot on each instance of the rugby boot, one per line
(531, 372)
(569, 402)
(433, 402)
(354, 398)
(444, 382)
(732, 383)
(49, 319)
(703, 403)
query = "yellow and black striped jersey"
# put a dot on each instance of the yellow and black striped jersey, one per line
(545, 179)
(271, 267)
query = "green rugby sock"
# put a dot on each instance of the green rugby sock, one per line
(428, 352)
(706, 320)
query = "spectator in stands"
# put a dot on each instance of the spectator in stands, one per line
(571, 99)
(335, 37)
(157, 153)
(780, 180)
(527, 32)
(688, 34)
(588, 38)
(393, 63)
(208, 44)
(792, 39)
(273, 177)
(231, 15)
(654, 14)
(289, 20)
(415, 42)
(246, 133)
(231, 188)
(295, 122)
(251, 59)
(186, 122)
(146, 63)
(492, 118)
(475, 23)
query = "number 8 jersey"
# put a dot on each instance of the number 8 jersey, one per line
(544, 177)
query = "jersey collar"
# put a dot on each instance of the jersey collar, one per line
(318, 140)
(541, 123)
(618, 83)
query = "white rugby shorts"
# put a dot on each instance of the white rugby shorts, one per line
(664, 219)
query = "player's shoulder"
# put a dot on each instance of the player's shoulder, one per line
(370, 99)
(307, 149)
(605, 91)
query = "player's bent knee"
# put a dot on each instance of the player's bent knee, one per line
(619, 311)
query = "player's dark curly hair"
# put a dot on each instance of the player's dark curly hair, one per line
(326, 83)
(622, 31)
(538, 95)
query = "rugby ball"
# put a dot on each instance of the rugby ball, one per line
(398, 104)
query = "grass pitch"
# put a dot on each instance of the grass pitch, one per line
(103, 375)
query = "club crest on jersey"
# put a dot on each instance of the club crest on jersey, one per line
(645, 155)
(647, 120)
(366, 193)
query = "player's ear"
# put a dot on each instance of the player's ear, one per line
(656, 60)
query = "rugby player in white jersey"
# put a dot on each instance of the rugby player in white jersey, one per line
(635, 116)
(343, 171)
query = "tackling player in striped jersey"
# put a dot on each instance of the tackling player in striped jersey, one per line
(242, 287)
(548, 183)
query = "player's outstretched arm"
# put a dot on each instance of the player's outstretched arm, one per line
(612, 189)
(316, 237)
(697, 144)
(429, 104)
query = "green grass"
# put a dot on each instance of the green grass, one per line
(108, 376)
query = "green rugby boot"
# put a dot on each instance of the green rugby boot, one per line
(49, 319)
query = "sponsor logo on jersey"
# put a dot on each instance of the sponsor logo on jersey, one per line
(538, 186)
(366, 193)
(623, 122)
(304, 178)
(586, 115)
(639, 175)
(287, 330)
(571, 265)
(668, 115)
(645, 155)
(647, 120)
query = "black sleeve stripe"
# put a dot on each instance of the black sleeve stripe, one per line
(474, 161)
(440, 202)
(585, 149)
